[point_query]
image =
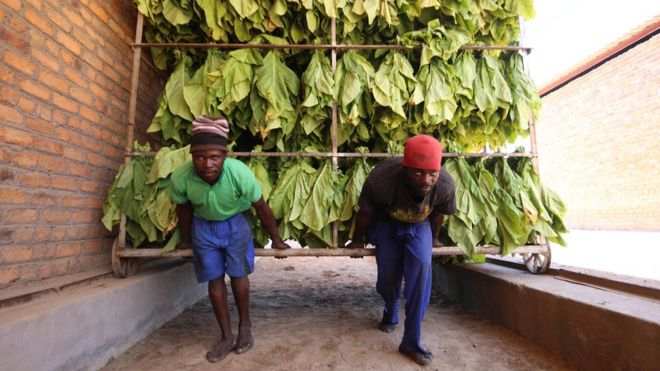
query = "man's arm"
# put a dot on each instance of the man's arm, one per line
(184, 213)
(265, 214)
(362, 221)
(436, 220)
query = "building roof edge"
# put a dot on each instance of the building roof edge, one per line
(620, 46)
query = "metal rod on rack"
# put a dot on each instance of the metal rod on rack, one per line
(353, 154)
(132, 106)
(317, 46)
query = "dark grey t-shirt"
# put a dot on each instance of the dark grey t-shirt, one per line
(385, 194)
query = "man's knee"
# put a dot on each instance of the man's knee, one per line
(217, 284)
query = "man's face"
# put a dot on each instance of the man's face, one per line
(421, 181)
(208, 163)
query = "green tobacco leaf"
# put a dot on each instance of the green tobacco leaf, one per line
(172, 242)
(135, 233)
(495, 70)
(237, 74)
(318, 208)
(312, 21)
(175, 14)
(174, 90)
(551, 208)
(214, 12)
(357, 176)
(525, 98)
(161, 210)
(317, 82)
(302, 191)
(465, 226)
(244, 8)
(523, 8)
(394, 83)
(165, 161)
(278, 85)
(353, 83)
(435, 85)
(488, 185)
(515, 215)
(329, 6)
(259, 167)
(197, 92)
(194, 94)
(466, 72)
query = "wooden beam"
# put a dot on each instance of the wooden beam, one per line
(437, 251)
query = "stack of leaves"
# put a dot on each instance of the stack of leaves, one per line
(492, 22)
(496, 205)
(473, 99)
(141, 192)
(468, 100)
(499, 206)
(281, 100)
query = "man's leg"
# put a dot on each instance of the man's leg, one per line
(418, 277)
(241, 289)
(218, 298)
(240, 263)
(389, 260)
(210, 266)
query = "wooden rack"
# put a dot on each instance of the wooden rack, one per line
(125, 260)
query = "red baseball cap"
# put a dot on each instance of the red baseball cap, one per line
(422, 152)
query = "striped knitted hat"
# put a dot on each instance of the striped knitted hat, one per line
(209, 133)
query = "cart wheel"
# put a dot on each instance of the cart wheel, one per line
(123, 267)
(538, 263)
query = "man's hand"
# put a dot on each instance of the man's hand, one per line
(184, 246)
(279, 245)
(355, 245)
(437, 243)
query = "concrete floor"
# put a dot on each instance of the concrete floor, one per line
(321, 313)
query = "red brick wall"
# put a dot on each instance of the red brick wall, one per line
(65, 70)
(599, 143)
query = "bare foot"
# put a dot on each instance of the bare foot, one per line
(245, 339)
(220, 351)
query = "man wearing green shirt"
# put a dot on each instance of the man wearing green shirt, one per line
(212, 193)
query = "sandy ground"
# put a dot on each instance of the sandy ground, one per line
(321, 314)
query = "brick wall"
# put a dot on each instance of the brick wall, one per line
(599, 140)
(65, 69)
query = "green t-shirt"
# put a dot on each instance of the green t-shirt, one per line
(234, 192)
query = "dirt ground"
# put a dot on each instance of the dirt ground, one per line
(321, 314)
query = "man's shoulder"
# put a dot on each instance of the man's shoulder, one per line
(445, 181)
(235, 164)
(236, 167)
(445, 177)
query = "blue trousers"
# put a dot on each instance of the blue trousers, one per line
(403, 252)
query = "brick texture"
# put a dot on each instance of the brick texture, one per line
(65, 73)
(598, 143)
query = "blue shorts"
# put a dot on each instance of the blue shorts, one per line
(222, 246)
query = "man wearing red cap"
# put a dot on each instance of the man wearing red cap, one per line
(402, 206)
(212, 193)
